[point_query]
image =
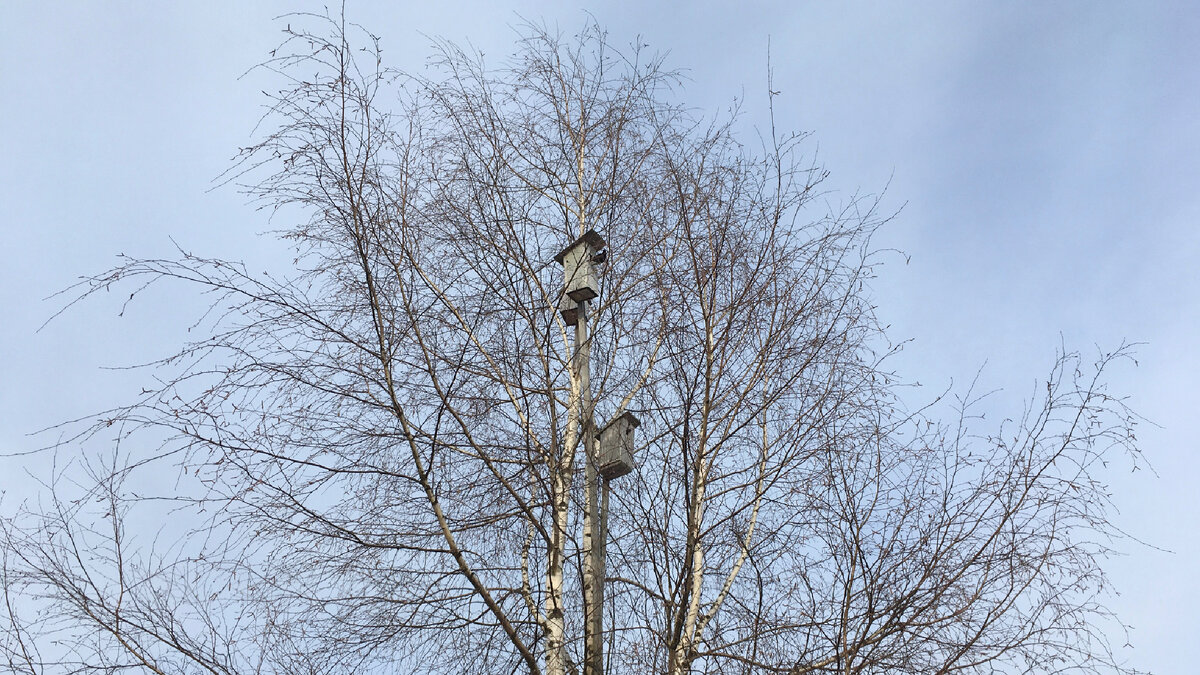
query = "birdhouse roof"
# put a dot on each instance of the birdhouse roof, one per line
(633, 420)
(591, 238)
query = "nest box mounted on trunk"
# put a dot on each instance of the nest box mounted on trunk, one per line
(616, 446)
(579, 273)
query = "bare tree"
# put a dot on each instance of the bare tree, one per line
(381, 455)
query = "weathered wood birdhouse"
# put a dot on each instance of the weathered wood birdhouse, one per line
(579, 272)
(569, 310)
(616, 446)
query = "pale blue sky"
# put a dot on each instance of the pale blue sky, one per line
(1046, 156)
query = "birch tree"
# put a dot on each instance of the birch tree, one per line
(381, 451)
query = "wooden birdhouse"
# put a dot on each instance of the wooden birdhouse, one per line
(579, 267)
(569, 310)
(616, 446)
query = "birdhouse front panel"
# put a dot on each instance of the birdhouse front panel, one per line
(579, 274)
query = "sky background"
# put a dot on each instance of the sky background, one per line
(1043, 159)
